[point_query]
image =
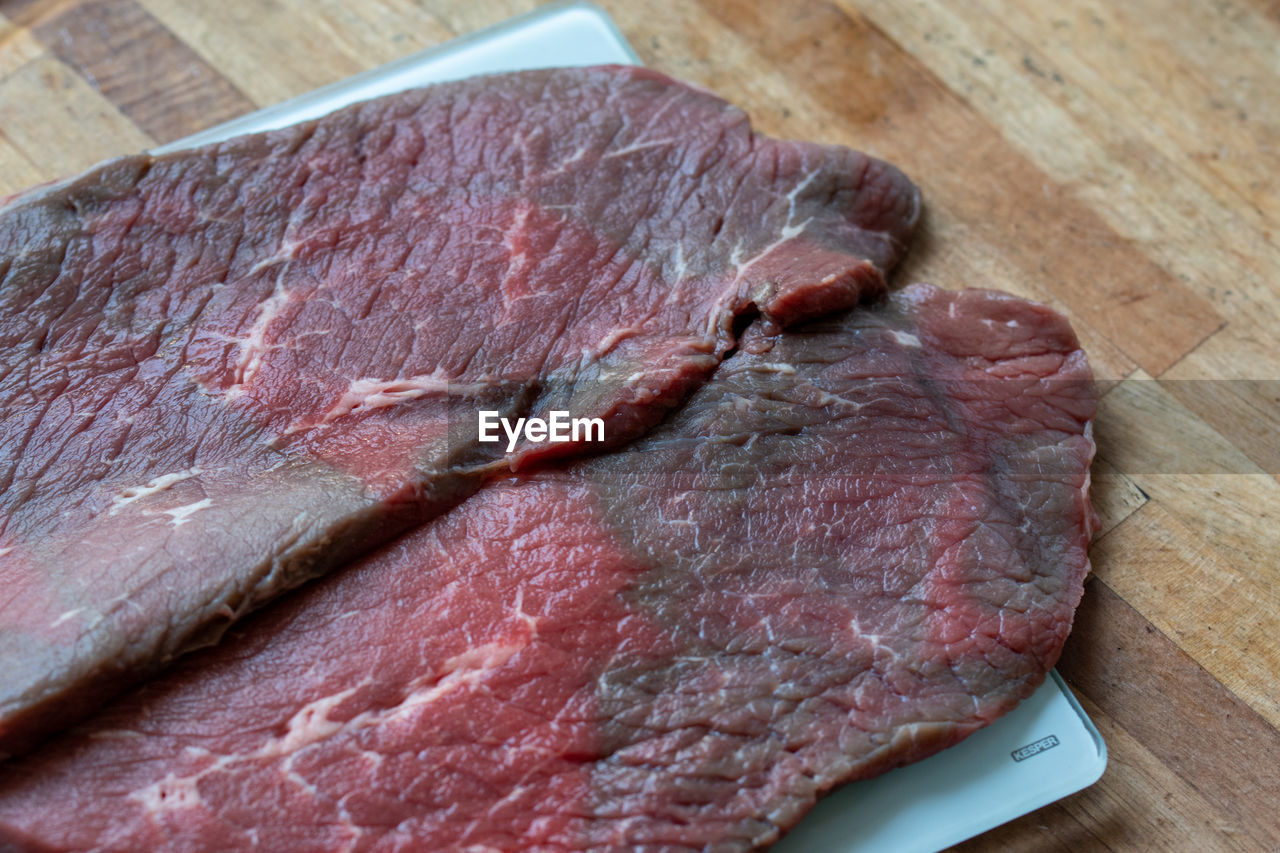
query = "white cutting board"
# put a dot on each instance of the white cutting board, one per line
(1043, 751)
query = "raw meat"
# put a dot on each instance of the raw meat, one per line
(227, 370)
(858, 543)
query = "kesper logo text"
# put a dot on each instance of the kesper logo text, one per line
(1023, 753)
(558, 427)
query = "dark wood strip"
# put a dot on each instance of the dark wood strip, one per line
(886, 100)
(1246, 413)
(1214, 741)
(152, 77)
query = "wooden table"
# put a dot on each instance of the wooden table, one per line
(1119, 161)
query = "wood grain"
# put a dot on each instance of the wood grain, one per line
(1168, 702)
(1221, 616)
(76, 127)
(1119, 161)
(1115, 496)
(138, 65)
(273, 51)
(1122, 815)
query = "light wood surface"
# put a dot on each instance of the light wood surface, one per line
(1120, 161)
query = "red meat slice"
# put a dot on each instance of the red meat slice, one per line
(227, 370)
(860, 542)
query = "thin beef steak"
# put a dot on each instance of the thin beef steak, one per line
(226, 370)
(858, 543)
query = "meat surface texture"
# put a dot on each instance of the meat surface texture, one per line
(227, 370)
(859, 542)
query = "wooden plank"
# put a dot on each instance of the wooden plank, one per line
(1140, 804)
(58, 123)
(17, 46)
(1198, 475)
(1235, 516)
(17, 173)
(954, 248)
(1198, 561)
(274, 51)
(1214, 742)
(1140, 683)
(469, 17)
(139, 66)
(1213, 383)
(1158, 210)
(1225, 615)
(1171, 81)
(373, 31)
(1144, 430)
(1206, 139)
(1145, 805)
(1074, 121)
(979, 190)
(1179, 99)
